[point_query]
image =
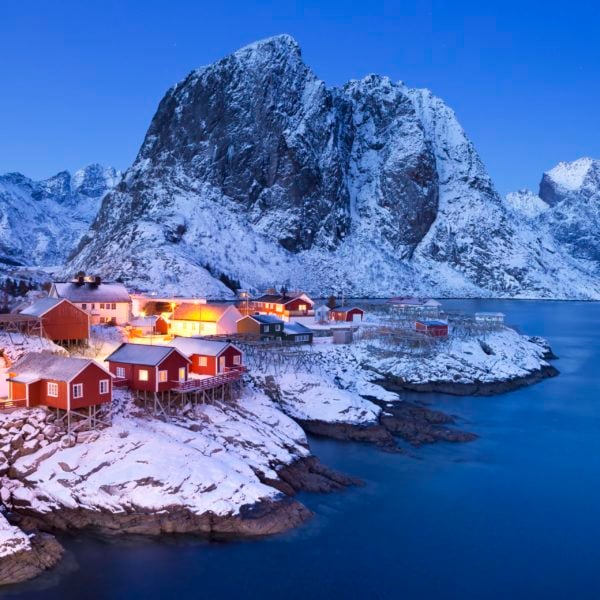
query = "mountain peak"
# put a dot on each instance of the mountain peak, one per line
(571, 175)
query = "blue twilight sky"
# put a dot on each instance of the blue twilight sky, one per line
(80, 80)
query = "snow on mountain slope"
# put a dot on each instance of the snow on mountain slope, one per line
(41, 221)
(569, 210)
(253, 168)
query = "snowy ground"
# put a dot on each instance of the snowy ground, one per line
(145, 465)
(12, 539)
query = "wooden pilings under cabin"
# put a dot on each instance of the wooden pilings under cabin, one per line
(91, 418)
(175, 402)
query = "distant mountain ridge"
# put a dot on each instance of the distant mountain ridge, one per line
(42, 221)
(567, 208)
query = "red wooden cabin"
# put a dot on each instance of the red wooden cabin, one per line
(210, 357)
(433, 328)
(61, 320)
(297, 305)
(346, 313)
(45, 379)
(148, 368)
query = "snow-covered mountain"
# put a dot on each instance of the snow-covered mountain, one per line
(253, 168)
(42, 221)
(567, 209)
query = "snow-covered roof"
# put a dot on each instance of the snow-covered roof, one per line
(281, 299)
(91, 292)
(265, 319)
(45, 365)
(210, 313)
(148, 321)
(141, 354)
(414, 301)
(190, 345)
(346, 308)
(296, 329)
(41, 307)
(432, 322)
(488, 315)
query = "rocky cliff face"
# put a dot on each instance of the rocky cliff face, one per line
(253, 168)
(567, 209)
(41, 221)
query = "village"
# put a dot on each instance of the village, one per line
(130, 412)
(178, 350)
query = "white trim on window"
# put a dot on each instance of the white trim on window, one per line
(77, 391)
(237, 359)
(121, 372)
(104, 388)
(163, 376)
(143, 375)
(52, 389)
(203, 361)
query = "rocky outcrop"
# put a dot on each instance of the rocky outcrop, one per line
(253, 168)
(42, 552)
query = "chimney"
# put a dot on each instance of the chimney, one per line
(80, 279)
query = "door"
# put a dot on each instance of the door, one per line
(182, 374)
(221, 364)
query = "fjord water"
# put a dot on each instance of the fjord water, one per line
(515, 514)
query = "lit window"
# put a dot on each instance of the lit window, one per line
(143, 375)
(77, 390)
(104, 387)
(163, 376)
(203, 361)
(302, 307)
(120, 371)
(53, 389)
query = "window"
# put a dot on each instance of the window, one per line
(113, 306)
(104, 387)
(102, 319)
(143, 375)
(277, 327)
(121, 372)
(182, 374)
(52, 389)
(92, 306)
(267, 328)
(77, 390)
(237, 359)
(101, 306)
(84, 306)
(302, 307)
(203, 361)
(163, 376)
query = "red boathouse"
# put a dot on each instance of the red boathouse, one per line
(61, 321)
(70, 384)
(433, 328)
(210, 357)
(148, 368)
(346, 313)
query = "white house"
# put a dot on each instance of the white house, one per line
(204, 319)
(105, 302)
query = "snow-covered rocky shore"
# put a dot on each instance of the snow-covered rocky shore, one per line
(229, 471)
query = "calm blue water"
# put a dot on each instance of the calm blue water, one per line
(513, 515)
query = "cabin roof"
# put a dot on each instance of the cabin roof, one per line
(432, 323)
(148, 321)
(296, 328)
(281, 299)
(92, 292)
(265, 319)
(41, 307)
(190, 345)
(207, 313)
(45, 365)
(346, 308)
(142, 354)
